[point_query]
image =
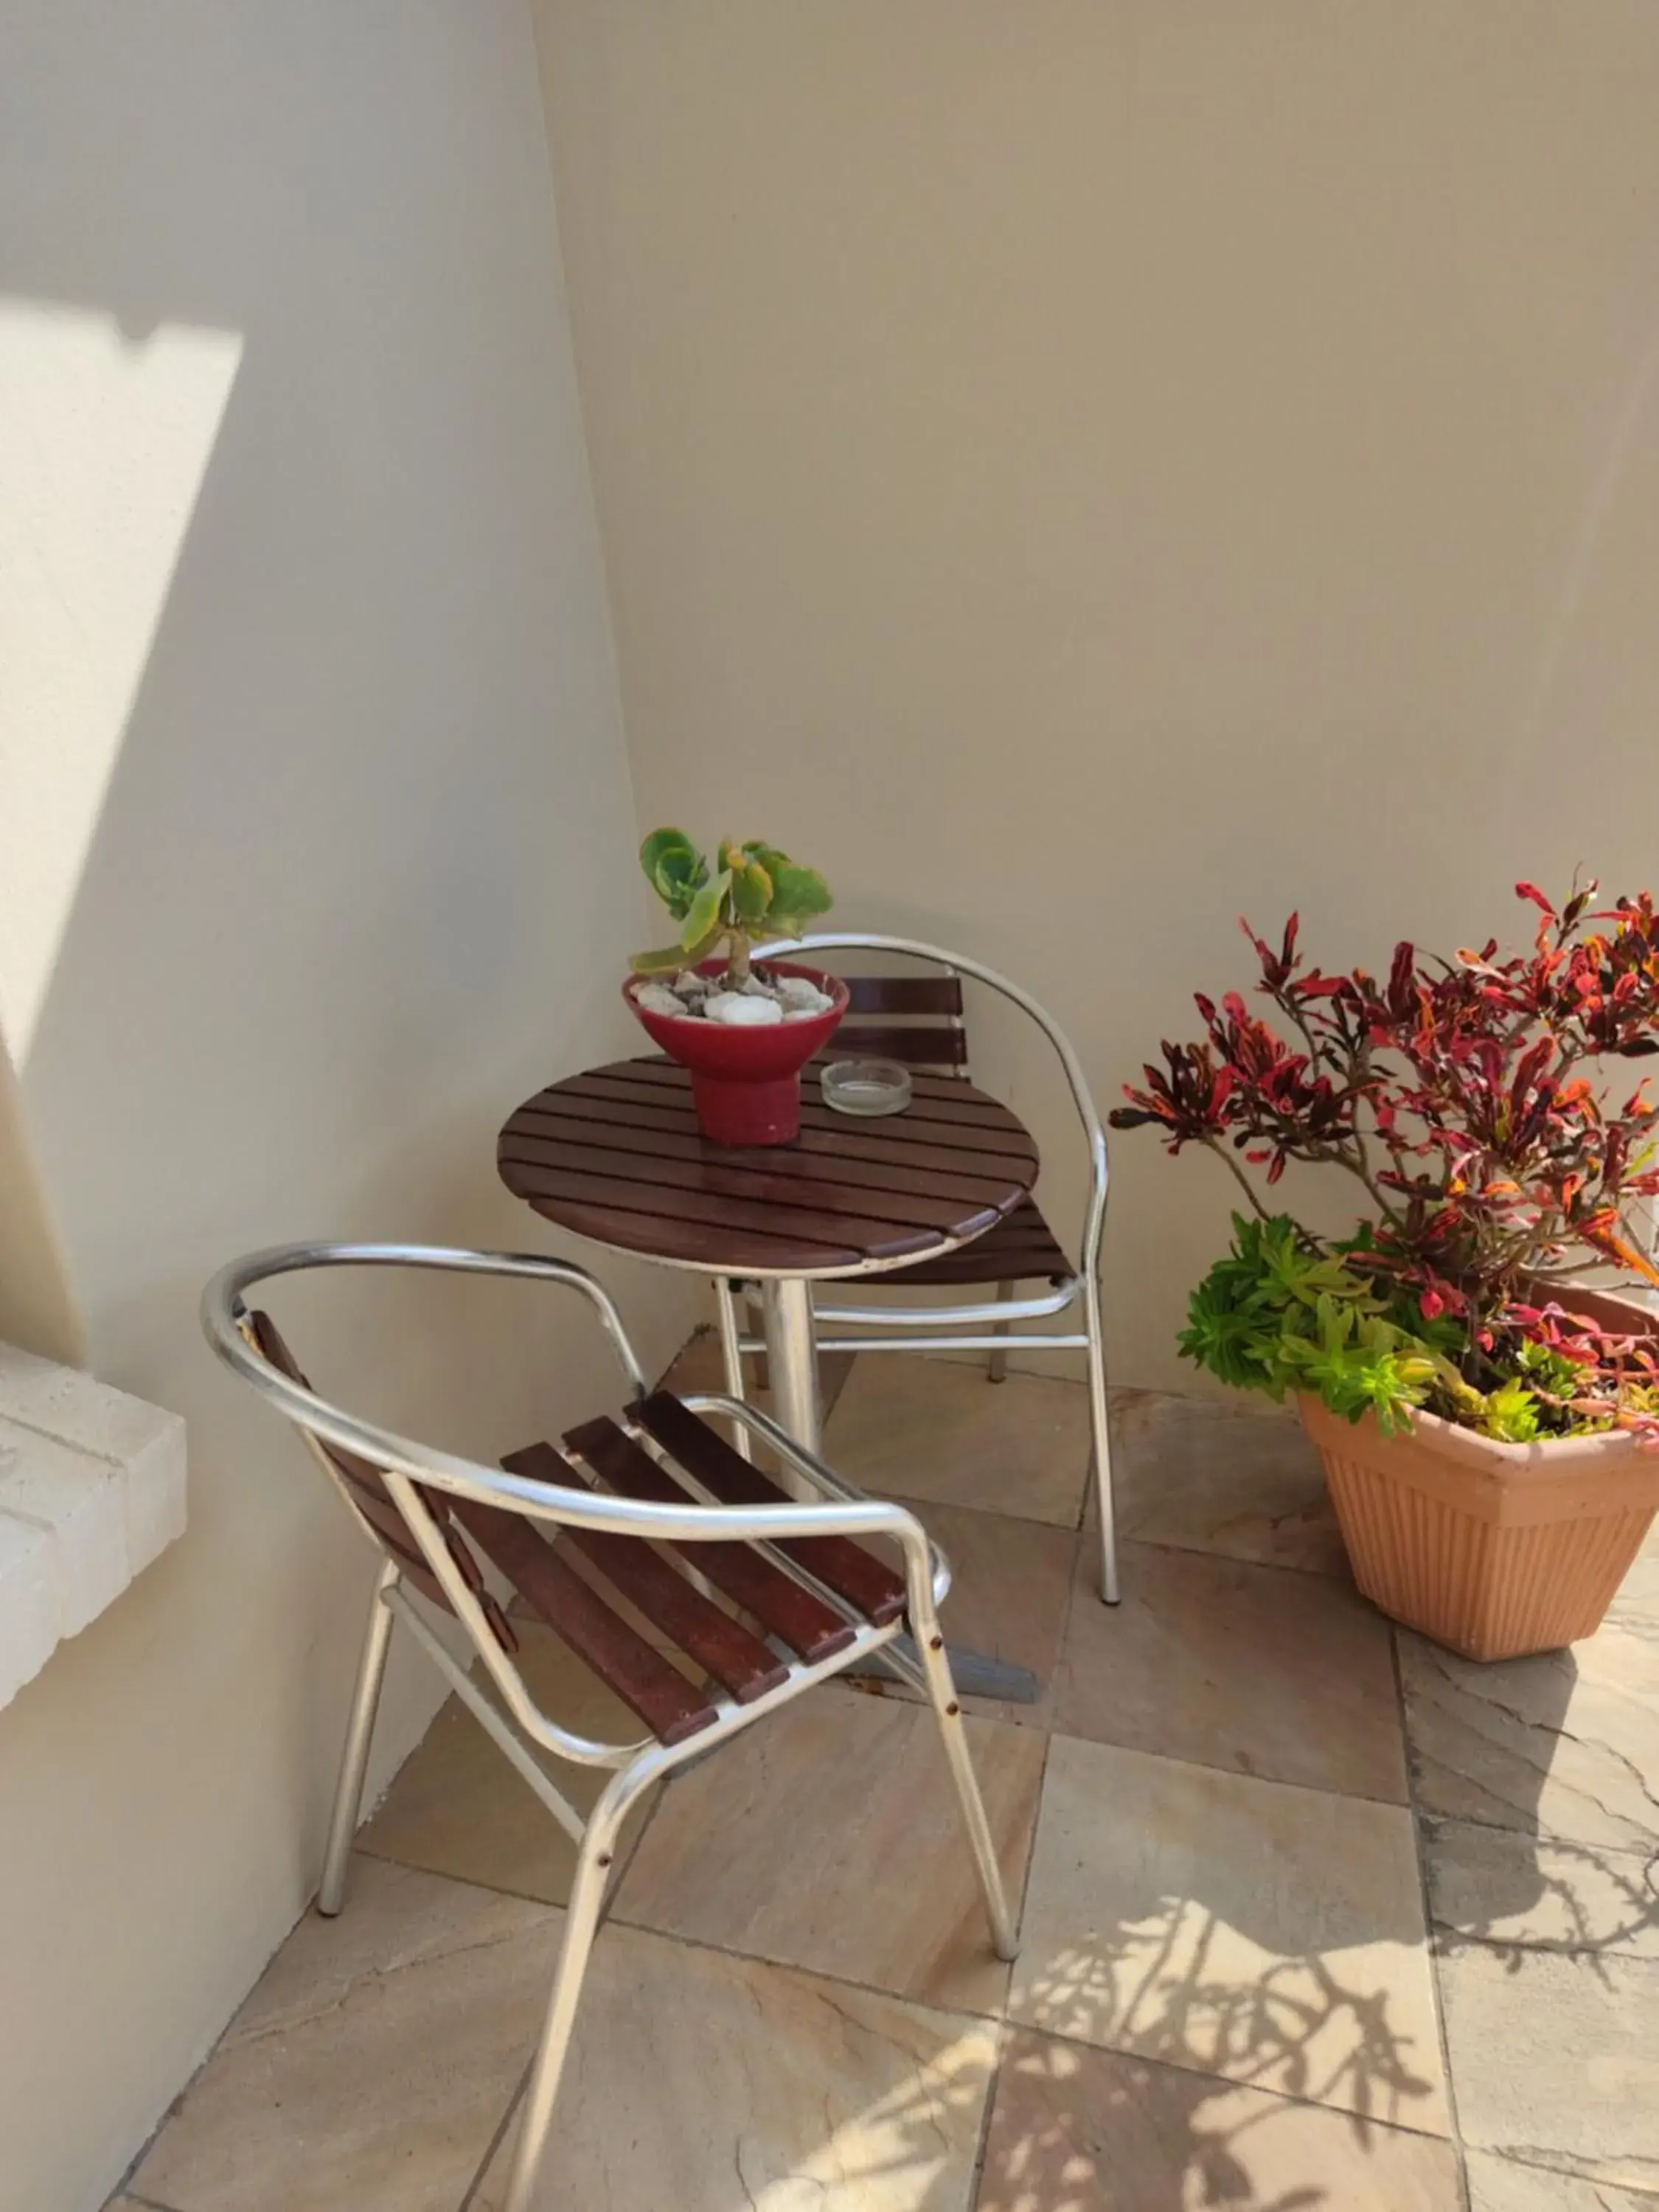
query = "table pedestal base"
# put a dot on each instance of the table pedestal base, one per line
(791, 1361)
(974, 1675)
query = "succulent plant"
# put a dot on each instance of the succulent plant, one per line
(755, 893)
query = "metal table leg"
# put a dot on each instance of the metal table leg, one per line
(791, 1359)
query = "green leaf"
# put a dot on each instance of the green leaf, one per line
(703, 917)
(674, 869)
(1279, 1313)
(766, 856)
(798, 894)
(1511, 1413)
(666, 960)
(751, 892)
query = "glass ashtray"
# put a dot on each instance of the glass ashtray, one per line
(867, 1087)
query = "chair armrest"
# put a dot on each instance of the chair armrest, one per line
(903, 1524)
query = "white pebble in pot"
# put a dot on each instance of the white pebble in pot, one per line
(740, 1012)
(658, 998)
(802, 991)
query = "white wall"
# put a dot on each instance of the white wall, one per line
(1082, 470)
(317, 838)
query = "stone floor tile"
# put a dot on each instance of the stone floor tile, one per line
(1080, 2130)
(1555, 2056)
(375, 2087)
(1252, 1668)
(1638, 1594)
(920, 1428)
(1235, 1475)
(699, 2082)
(1566, 1744)
(766, 2089)
(1010, 1590)
(1545, 1947)
(698, 1366)
(1271, 1935)
(394, 1916)
(829, 1838)
(1516, 1893)
(458, 1807)
(1501, 2184)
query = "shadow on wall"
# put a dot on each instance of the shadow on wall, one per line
(314, 793)
(321, 775)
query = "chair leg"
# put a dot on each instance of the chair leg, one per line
(1100, 1431)
(729, 1321)
(947, 1708)
(359, 1733)
(996, 1367)
(582, 1922)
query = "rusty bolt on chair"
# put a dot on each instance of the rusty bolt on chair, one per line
(663, 1509)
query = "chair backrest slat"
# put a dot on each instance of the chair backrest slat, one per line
(365, 1489)
(943, 1048)
(914, 1019)
(939, 996)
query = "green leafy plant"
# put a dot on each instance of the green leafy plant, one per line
(757, 893)
(1280, 1315)
(1463, 1097)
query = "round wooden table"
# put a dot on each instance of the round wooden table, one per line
(616, 1155)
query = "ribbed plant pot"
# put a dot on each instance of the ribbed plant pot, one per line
(1494, 1550)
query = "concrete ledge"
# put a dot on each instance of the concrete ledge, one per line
(92, 1486)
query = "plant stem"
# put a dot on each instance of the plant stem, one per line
(1244, 1183)
(737, 960)
(1362, 1169)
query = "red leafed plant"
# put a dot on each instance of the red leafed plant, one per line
(1460, 1096)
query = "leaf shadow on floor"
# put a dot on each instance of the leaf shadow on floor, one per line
(1515, 1755)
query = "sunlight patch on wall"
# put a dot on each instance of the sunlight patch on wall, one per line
(104, 443)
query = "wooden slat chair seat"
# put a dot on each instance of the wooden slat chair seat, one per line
(1021, 1248)
(704, 1596)
(666, 1696)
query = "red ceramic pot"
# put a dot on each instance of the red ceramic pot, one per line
(746, 1081)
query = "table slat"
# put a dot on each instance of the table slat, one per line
(615, 1154)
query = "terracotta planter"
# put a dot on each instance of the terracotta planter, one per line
(746, 1082)
(1495, 1550)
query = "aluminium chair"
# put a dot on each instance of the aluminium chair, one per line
(918, 1019)
(663, 1509)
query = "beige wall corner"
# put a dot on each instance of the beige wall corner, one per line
(37, 1307)
(1084, 471)
(316, 836)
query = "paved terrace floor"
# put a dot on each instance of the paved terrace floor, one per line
(1314, 1914)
